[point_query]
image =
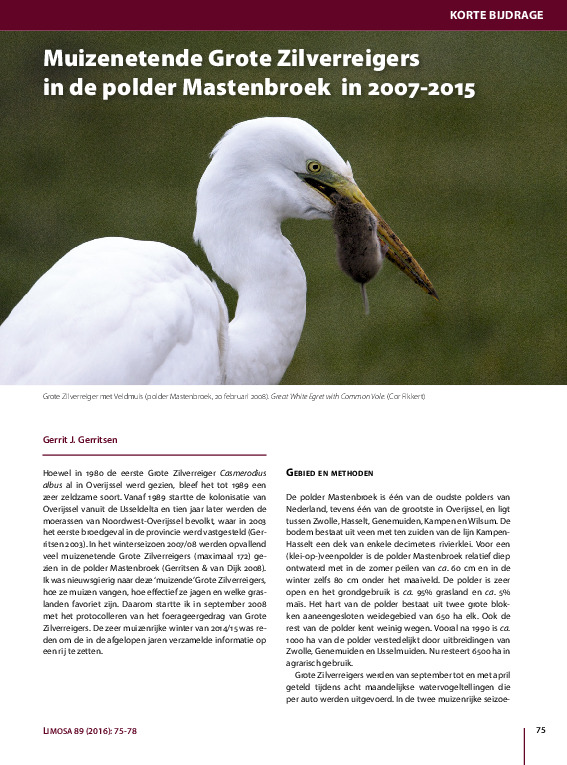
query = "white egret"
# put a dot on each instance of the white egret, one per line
(117, 310)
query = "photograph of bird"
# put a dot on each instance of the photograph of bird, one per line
(121, 311)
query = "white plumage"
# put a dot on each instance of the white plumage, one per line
(117, 311)
(120, 311)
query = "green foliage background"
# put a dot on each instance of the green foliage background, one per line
(474, 187)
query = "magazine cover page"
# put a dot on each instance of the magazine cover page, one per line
(282, 377)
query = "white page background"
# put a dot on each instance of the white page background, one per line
(218, 704)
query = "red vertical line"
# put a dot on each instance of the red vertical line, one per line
(524, 746)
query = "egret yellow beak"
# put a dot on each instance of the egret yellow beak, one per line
(327, 182)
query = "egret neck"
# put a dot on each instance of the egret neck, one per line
(249, 252)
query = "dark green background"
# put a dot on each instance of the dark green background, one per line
(474, 187)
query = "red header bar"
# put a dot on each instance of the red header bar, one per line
(364, 15)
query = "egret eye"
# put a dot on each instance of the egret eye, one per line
(314, 167)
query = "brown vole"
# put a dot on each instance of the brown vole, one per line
(359, 250)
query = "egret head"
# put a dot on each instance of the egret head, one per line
(279, 168)
(258, 162)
